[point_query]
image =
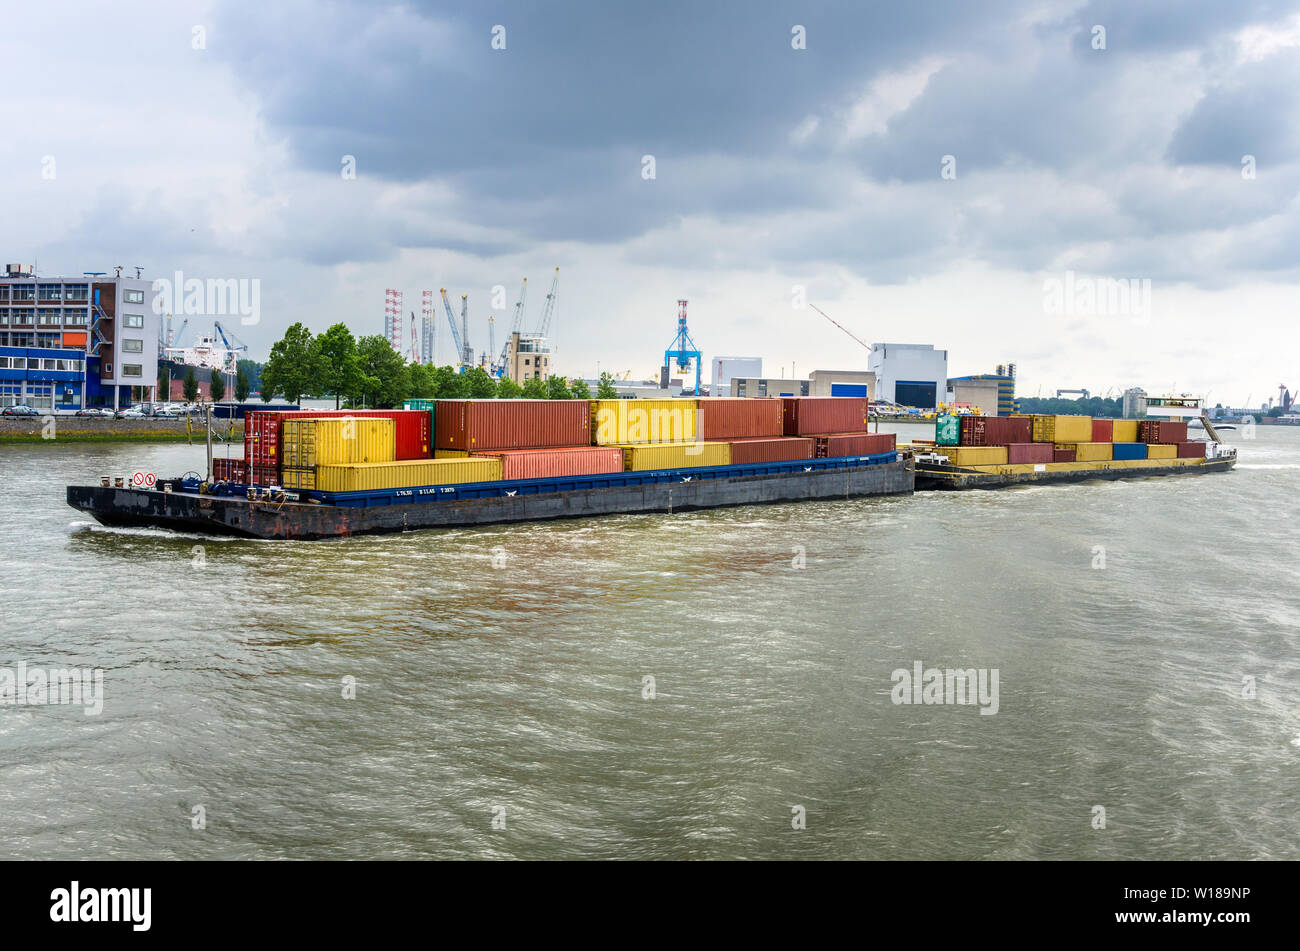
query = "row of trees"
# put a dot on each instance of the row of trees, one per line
(369, 372)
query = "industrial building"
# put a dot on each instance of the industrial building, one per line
(994, 394)
(727, 368)
(819, 383)
(909, 374)
(67, 343)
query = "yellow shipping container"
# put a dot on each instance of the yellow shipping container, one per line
(451, 453)
(677, 456)
(1125, 430)
(1089, 451)
(974, 455)
(1155, 451)
(643, 422)
(408, 472)
(1062, 428)
(337, 440)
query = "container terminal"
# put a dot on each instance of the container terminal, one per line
(453, 463)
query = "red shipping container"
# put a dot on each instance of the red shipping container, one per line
(738, 417)
(1061, 455)
(746, 452)
(482, 425)
(264, 431)
(809, 415)
(1103, 430)
(854, 444)
(996, 430)
(229, 470)
(1024, 453)
(1162, 431)
(264, 475)
(551, 463)
(1194, 449)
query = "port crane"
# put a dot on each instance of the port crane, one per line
(851, 334)
(464, 355)
(232, 351)
(682, 349)
(1084, 393)
(548, 311)
(515, 328)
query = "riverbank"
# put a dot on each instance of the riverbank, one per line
(89, 429)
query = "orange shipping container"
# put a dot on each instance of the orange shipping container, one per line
(552, 463)
(752, 451)
(739, 417)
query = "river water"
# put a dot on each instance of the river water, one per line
(503, 708)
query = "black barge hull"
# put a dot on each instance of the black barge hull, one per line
(225, 515)
(953, 478)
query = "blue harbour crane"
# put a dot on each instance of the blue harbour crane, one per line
(683, 349)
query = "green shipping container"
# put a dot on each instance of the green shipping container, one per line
(947, 430)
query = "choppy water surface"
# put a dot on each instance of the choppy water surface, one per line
(519, 691)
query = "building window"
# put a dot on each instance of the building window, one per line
(21, 318)
(51, 291)
(74, 318)
(24, 292)
(132, 369)
(20, 363)
(108, 369)
(4, 363)
(133, 297)
(133, 346)
(49, 316)
(76, 292)
(133, 320)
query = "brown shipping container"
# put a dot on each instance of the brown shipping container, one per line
(1195, 449)
(1162, 431)
(809, 415)
(1024, 453)
(854, 444)
(1061, 455)
(1103, 430)
(740, 418)
(485, 425)
(551, 463)
(229, 469)
(750, 451)
(995, 430)
(264, 475)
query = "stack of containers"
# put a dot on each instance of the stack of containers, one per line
(754, 430)
(837, 424)
(313, 447)
(656, 433)
(527, 439)
(1164, 438)
(1071, 434)
(1013, 432)
(264, 436)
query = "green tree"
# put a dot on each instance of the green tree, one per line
(508, 389)
(217, 386)
(190, 388)
(385, 377)
(242, 386)
(450, 384)
(605, 389)
(424, 381)
(294, 367)
(482, 385)
(557, 388)
(534, 389)
(579, 390)
(253, 371)
(340, 371)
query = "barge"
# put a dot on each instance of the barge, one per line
(192, 505)
(933, 471)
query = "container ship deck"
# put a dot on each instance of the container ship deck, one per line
(187, 504)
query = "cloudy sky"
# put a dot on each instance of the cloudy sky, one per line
(926, 172)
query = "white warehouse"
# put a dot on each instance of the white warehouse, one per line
(909, 374)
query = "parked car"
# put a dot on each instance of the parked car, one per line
(18, 411)
(134, 412)
(93, 412)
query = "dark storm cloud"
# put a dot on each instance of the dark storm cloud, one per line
(543, 142)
